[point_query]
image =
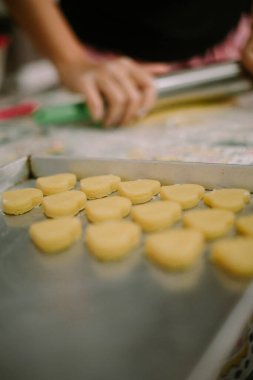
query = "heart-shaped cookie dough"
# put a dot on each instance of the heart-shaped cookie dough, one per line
(55, 235)
(213, 223)
(67, 203)
(99, 186)
(17, 202)
(56, 183)
(109, 208)
(139, 191)
(234, 256)
(244, 225)
(156, 215)
(175, 249)
(229, 199)
(112, 240)
(188, 195)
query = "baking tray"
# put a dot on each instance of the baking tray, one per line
(67, 316)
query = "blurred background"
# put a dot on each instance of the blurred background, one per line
(20, 62)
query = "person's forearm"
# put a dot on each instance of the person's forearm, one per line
(115, 90)
(48, 28)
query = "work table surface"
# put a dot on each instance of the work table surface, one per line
(219, 132)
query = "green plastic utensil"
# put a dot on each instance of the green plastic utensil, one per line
(62, 114)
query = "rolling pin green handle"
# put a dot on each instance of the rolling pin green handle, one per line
(63, 114)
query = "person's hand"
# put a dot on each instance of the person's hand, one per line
(247, 54)
(115, 90)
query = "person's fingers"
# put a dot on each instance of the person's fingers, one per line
(133, 102)
(93, 97)
(148, 100)
(114, 97)
(138, 74)
(131, 90)
(156, 68)
(116, 92)
(146, 84)
(247, 56)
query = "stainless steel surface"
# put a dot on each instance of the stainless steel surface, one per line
(196, 76)
(225, 339)
(13, 173)
(211, 91)
(207, 82)
(67, 316)
(209, 175)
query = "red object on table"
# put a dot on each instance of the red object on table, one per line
(17, 110)
(4, 40)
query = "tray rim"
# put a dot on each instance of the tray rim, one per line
(210, 175)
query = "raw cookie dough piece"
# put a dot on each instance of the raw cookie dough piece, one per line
(111, 240)
(99, 186)
(67, 203)
(175, 249)
(17, 202)
(230, 199)
(188, 195)
(109, 208)
(157, 215)
(213, 223)
(55, 235)
(56, 183)
(245, 225)
(234, 255)
(139, 191)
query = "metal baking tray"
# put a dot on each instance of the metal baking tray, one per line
(67, 316)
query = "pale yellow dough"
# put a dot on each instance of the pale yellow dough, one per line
(67, 203)
(244, 225)
(234, 256)
(175, 249)
(99, 186)
(112, 240)
(55, 235)
(139, 191)
(230, 199)
(188, 195)
(156, 215)
(56, 183)
(17, 202)
(213, 223)
(108, 208)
